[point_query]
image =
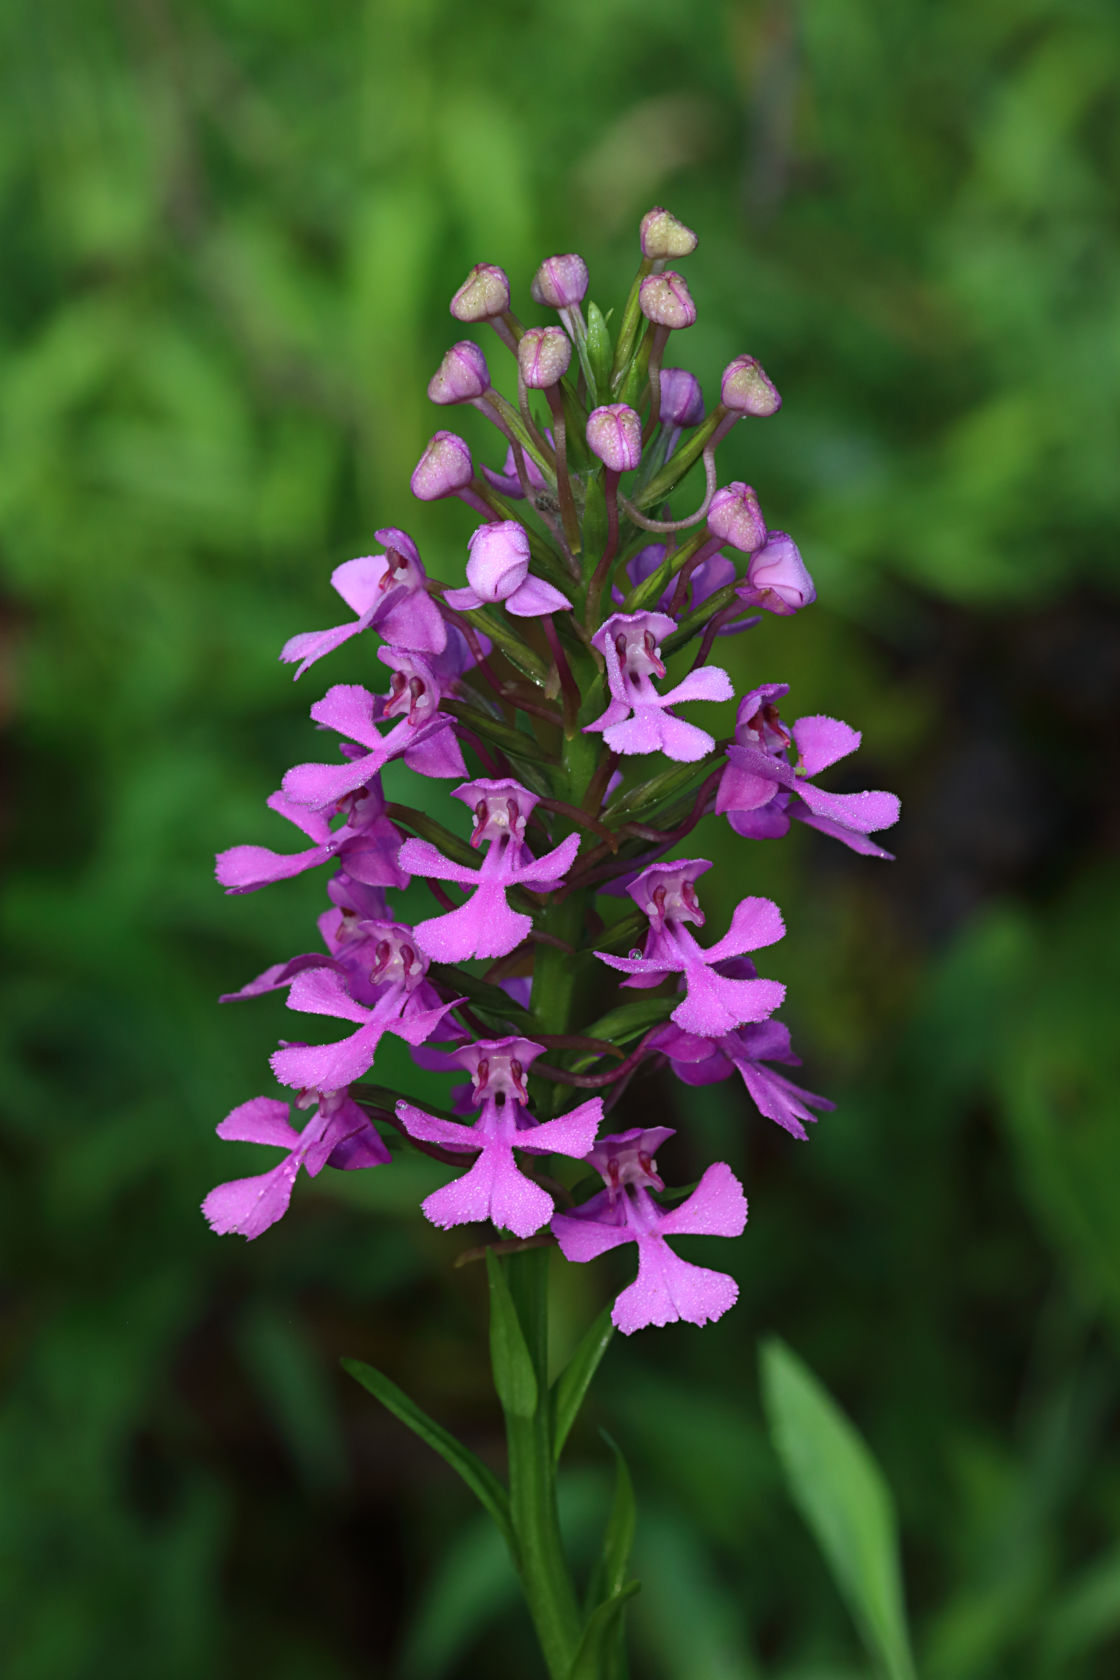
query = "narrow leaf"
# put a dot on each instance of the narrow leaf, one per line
(631, 1020)
(596, 1646)
(609, 1574)
(482, 1482)
(514, 1377)
(840, 1491)
(571, 1385)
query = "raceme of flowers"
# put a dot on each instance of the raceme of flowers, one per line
(538, 696)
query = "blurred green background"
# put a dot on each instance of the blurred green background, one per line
(230, 230)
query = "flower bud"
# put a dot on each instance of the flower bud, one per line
(664, 299)
(745, 389)
(736, 518)
(682, 401)
(614, 434)
(444, 468)
(461, 376)
(543, 354)
(560, 282)
(483, 294)
(663, 236)
(499, 559)
(777, 578)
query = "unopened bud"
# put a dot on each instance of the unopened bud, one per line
(664, 299)
(560, 282)
(483, 294)
(543, 354)
(682, 400)
(777, 577)
(736, 518)
(746, 389)
(614, 434)
(499, 559)
(444, 468)
(461, 376)
(663, 236)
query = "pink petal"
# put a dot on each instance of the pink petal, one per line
(420, 857)
(754, 922)
(349, 708)
(311, 645)
(429, 1128)
(464, 600)
(668, 1288)
(484, 926)
(553, 866)
(249, 1206)
(823, 740)
(585, 1239)
(534, 597)
(320, 990)
(716, 1208)
(714, 1005)
(864, 812)
(260, 1120)
(858, 842)
(245, 868)
(710, 682)
(572, 1134)
(328, 1067)
(358, 581)
(320, 785)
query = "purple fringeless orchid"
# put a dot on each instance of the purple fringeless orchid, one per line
(637, 719)
(666, 1288)
(485, 926)
(745, 1050)
(388, 592)
(365, 844)
(494, 1188)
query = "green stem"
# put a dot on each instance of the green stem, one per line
(545, 1577)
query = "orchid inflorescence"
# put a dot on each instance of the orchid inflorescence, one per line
(540, 691)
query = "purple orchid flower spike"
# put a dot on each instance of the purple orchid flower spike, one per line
(666, 1288)
(494, 1188)
(404, 1007)
(365, 845)
(498, 570)
(485, 926)
(389, 594)
(338, 1134)
(713, 1003)
(637, 719)
(423, 737)
(705, 1061)
(760, 790)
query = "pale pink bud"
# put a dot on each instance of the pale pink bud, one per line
(444, 468)
(663, 236)
(664, 299)
(499, 559)
(777, 578)
(543, 355)
(461, 376)
(614, 434)
(560, 282)
(736, 518)
(483, 294)
(745, 388)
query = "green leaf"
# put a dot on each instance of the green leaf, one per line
(609, 1574)
(597, 1645)
(630, 1020)
(482, 1482)
(575, 1379)
(599, 352)
(514, 1377)
(841, 1493)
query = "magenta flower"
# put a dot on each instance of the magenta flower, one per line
(761, 790)
(713, 1003)
(404, 1007)
(338, 1134)
(485, 926)
(423, 737)
(365, 845)
(704, 1061)
(389, 594)
(494, 1188)
(637, 721)
(666, 1288)
(777, 577)
(498, 570)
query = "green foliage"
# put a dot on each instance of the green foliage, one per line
(840, 1492)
